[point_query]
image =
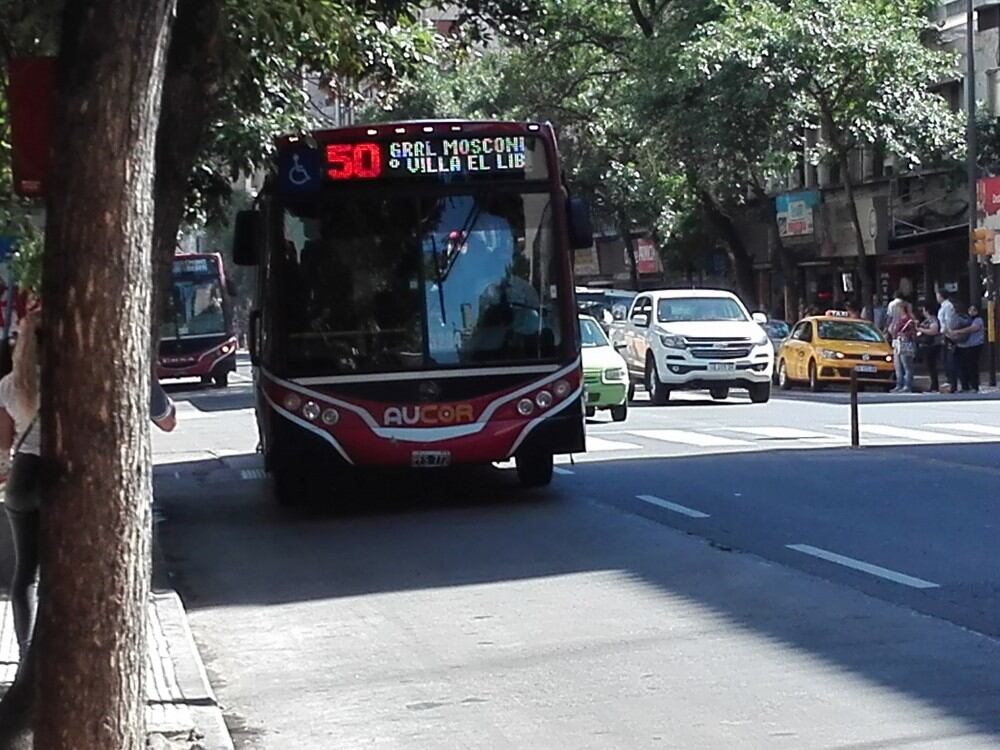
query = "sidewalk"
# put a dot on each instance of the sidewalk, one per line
(180, 706)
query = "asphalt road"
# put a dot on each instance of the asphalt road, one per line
(710, 575)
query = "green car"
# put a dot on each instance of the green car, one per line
(605, 377)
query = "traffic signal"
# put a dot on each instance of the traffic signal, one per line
(983, 241)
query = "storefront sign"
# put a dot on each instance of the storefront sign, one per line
(795, 213)
(646, 258)
(988, 192)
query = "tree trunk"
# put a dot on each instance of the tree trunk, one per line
(786, 258)
(625, 229)
(867, 282)
(740, 257)
(190, 100)
(90, 640)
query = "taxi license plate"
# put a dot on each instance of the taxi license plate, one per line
(430, 459)
(866, 369)
(721, 366)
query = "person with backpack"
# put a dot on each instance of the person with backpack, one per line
(904, 346)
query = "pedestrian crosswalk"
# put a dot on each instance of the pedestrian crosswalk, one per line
(623, 442)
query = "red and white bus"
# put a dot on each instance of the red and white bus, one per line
(415, 302)
(197, 337)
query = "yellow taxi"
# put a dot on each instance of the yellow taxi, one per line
(824, 349)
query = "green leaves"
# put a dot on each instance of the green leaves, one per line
(858, 68)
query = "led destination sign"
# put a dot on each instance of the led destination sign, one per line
(500, 154)
(462, 156)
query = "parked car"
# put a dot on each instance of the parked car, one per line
(824, 349)
(696, 339)
(777, 331)
(605, 376)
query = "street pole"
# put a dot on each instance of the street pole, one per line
(971, 147)
(855, 428)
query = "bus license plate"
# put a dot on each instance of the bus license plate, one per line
(870, 369)
(721, 366)
(430, 459)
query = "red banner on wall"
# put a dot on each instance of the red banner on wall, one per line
(31, 101)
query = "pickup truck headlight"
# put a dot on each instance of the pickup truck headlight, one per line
(614, 375)
(672, 342)
(830, 354)
(759, 340)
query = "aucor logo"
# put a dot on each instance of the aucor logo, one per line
(426, 415)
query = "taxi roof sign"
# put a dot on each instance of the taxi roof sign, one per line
(837, 314)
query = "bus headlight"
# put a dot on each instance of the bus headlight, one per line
(561, 388)
(330, 417)
(544, 400)
(292, 402)
(311, 411)
(525, 406)
(226, 348)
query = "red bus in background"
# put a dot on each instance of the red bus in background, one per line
(415, 303)
(197, 335)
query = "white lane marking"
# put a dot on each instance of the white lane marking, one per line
(685, 437)
(782, 433)
(560, 470)
(904, 433)
(977, 429)
(247, 474)
(875, 570)
(682, 509)
(596, 444)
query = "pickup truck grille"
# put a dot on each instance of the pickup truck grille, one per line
(718, 348)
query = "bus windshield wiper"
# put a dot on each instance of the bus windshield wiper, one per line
(440, 279)
(463, 235)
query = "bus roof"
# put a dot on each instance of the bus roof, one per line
(418, 127)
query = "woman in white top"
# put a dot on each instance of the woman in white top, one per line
(19, 431)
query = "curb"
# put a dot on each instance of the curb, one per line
(189, 670)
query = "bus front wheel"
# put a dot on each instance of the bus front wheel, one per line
(534, 469)
(221, 378)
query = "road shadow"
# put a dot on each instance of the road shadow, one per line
(419, 531)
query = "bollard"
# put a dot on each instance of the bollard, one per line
(855, 431)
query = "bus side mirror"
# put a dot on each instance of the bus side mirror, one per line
(581, 231)
(248, 232)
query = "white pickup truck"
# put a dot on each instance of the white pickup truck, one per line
(695, 339)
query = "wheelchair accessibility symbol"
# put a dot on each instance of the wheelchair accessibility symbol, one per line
(298, 175)
(300, 171)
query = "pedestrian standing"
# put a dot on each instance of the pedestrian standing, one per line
(929, 341)
(947, 319)
(893, 310)
(19, 435)
(970, 340)
(904, 346)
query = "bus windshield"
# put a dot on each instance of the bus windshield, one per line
(391, 280)
(194, 306)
